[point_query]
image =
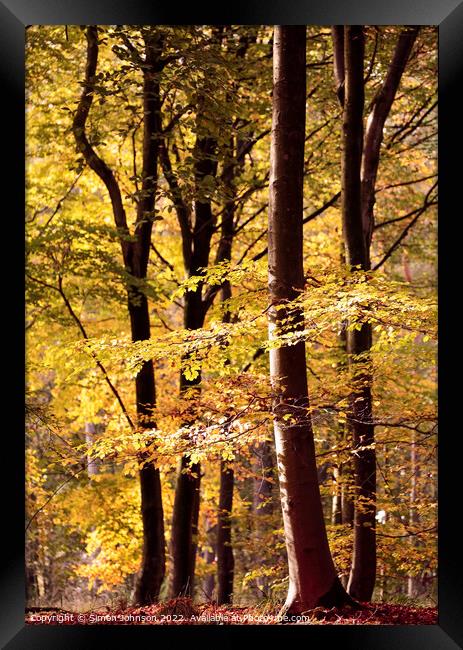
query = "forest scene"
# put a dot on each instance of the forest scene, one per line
(231, 324)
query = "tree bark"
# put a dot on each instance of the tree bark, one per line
(225, 559)
(382, 104)
(413, 520)
(135, 255)
(337, 32)
(343, 505)
(363, 571)
(196, 252)
(263, 504)
(312, 575)
(360, 162)
(186, 503)
(209, 555)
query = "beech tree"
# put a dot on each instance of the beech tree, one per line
(360, 162)
(135, 255)
(312, 576)
(180, 289)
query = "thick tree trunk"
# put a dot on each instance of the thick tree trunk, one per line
(312, 575)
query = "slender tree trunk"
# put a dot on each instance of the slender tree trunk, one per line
(153, 560)
(152, 570)
(187, 492)
(381, 108)
(92, 463)
(135, 255)
(343, 504)
(225, 559)
(312, 575)
(196, 244)
(360, 162)
(185, 523)
(209, 555)
(412, 582)
(337, 32)
(343, 508)
(33, 581)
(263, 502)
(363, 571)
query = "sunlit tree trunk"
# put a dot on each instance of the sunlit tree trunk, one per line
(312, 575)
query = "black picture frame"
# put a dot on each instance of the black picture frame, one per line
(14, 16)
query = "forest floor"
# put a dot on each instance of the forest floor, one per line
(182, 611)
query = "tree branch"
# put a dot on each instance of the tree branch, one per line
(407, 228)
(83, 332)
(95, 162)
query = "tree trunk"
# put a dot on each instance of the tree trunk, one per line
(312, 575)
(382, 104)
(343, 505)
(186, 503)
(153, 560)
(196, 247)
(225, 559)
(185, 524)
(337, 32)
(263, 502)
(412, 581)
(363, 571)
(360, 162)
(135, 255)
(209, 554)
(93, 464)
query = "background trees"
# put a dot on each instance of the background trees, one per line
(186, 135)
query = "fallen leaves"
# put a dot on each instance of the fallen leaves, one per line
(181, 611)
